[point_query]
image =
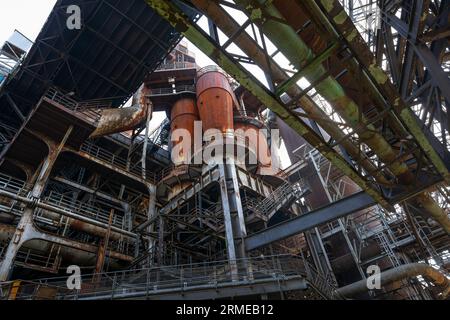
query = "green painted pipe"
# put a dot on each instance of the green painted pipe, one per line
(299, 54)
(250, 47)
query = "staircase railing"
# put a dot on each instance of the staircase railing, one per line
(279, 198)
(177, 278)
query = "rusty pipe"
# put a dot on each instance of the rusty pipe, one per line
(294, 48)
(7, 232)
(399, 273)
(430, 206)
(246, 43)
(78, 219)
(124, 119)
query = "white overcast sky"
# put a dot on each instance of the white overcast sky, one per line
(27, 16)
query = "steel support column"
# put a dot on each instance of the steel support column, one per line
(25, 229)
(235, 230)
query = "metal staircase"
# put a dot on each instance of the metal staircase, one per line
(279, 198)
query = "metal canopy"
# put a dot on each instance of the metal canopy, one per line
(119, 43)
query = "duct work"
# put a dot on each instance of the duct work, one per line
(403, 272)
(295, 49)
(123, 119)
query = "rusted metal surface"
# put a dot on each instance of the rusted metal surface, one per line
(400, 273)
(77, 221)
(124, 119)
(101, 254)
(121, 119)
(35, 245)
(192, 32)
(183, 115)
(215, 101)
(249, 135)
(299, 53)
(246, 43)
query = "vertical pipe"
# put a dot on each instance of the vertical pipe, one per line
(144, 149)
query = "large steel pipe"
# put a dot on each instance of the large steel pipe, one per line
(183, 115)
(249, 136)
(292, 46)
(400, 273)
(123, 119)
(82, 252)
(78, 221)
(215, 100)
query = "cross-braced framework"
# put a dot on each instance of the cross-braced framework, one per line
(410, 42)
(356, 88)
(321, 80)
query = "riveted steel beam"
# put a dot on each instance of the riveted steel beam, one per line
(334, 16)
(192, 32)
(305, 222)
(297, 51)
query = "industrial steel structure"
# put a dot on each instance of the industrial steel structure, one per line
(359, 91)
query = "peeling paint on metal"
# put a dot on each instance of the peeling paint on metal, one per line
(379, 75)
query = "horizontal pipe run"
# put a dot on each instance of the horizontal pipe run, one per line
(400, 273)
(65, 213)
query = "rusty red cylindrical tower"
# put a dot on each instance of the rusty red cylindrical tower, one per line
(215, 99)
(183, 115)
(250, 135)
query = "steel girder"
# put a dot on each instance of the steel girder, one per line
(334, 19)
(414, 43)
(333, 211)
(218, 54)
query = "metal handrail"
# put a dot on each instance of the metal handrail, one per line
(91, 108)
(83, 208)
(180, 277)
(171, 90)
(14, 185)
(176, 65)
(111, 158)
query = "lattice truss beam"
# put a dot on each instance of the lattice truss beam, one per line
(410, 41)
(306, 62)
(412, 45)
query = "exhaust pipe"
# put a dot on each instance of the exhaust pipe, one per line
(124, 119)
